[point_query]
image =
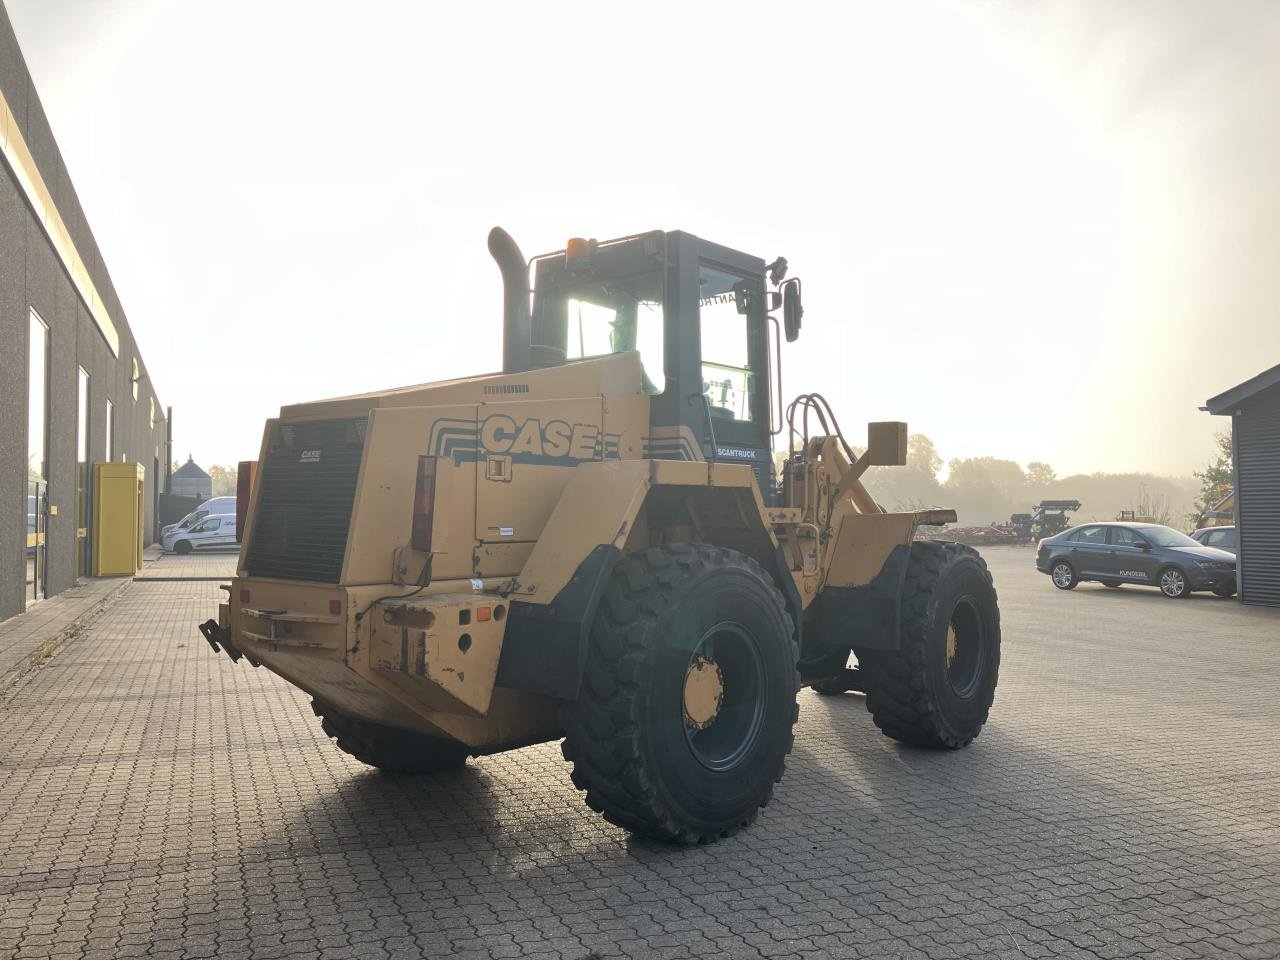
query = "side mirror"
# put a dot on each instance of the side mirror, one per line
(792, 309)
(1142, 545)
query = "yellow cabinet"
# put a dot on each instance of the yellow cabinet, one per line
(118, 491)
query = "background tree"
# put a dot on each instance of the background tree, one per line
(224, 480)
(912, 487)
(1154, 509)
(922, 455)
(1040, 474)
(1216, 479)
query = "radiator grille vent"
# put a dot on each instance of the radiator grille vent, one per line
(307, 487)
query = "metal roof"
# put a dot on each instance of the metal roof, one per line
(1224, 403)
(190, 470)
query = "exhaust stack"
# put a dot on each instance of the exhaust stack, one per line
(516, 332)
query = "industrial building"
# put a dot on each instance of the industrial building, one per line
(1254, 409)
(73, 387)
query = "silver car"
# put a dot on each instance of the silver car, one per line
(1224, 538)
(218, 505)
(217, 532)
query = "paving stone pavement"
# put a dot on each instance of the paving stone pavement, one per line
(157, 800)
(30, 637)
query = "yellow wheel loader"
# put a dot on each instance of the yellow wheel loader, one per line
(595, 545)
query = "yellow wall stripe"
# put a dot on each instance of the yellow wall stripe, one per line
(27, 174)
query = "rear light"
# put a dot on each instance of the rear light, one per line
(424, 496)
(483, 613)
(244, 596)
(335, 607)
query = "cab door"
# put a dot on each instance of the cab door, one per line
(1090, 553)
(1131, 558)
(719, 346)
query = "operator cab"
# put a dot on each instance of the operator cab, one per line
(696, 312)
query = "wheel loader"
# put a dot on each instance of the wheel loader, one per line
(596, 546)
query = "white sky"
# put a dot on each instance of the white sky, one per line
(1041, 232)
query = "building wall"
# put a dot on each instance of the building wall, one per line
(33, 276)
(1255, 431)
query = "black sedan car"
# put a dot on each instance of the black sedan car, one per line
(1116, 553)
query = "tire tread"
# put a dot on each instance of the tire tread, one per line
(602, 738)
(391, 750)
(896, 682)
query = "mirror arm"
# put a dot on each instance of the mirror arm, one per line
(777, 339)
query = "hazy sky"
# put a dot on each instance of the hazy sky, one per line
(1034, 231)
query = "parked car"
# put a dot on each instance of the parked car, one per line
(217, 505)
(1149, 553)
(217, 532)
(1224, 538)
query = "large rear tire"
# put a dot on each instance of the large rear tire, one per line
(937, 690)
(683, 723)
(390, 749)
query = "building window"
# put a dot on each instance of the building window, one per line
(38, 400)
(111, 431)
(136, 378)
(151, 411)
(82, 476)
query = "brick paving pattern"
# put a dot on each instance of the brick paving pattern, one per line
(27, 639)
(1124, 801)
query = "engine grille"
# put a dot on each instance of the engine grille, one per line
(307, 486)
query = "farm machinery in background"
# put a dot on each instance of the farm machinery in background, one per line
(1048, 517)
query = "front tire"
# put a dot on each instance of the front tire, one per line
(937, 690)
(182, 547)
(683, 723)
(390, 749)
(1173, 583)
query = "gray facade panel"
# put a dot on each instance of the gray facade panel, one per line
(13, 72)
(13, 394)
(33, 276)
(1256, 432)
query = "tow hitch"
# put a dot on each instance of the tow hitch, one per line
(215, 634)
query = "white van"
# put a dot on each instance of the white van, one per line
(218, 505)
(214, 532)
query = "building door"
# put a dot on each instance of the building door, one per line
(83, 480)
(37, 523)
(37, 457)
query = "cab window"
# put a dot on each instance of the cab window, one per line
(725, 313)
(1124, 537)
(205, 526)
(615, 316)
(1090, 535)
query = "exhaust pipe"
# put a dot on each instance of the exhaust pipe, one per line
(516, 332)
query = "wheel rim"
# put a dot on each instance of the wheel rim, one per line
(966, 653)
(1172, 583)
(1062, 575)
(723, 697)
